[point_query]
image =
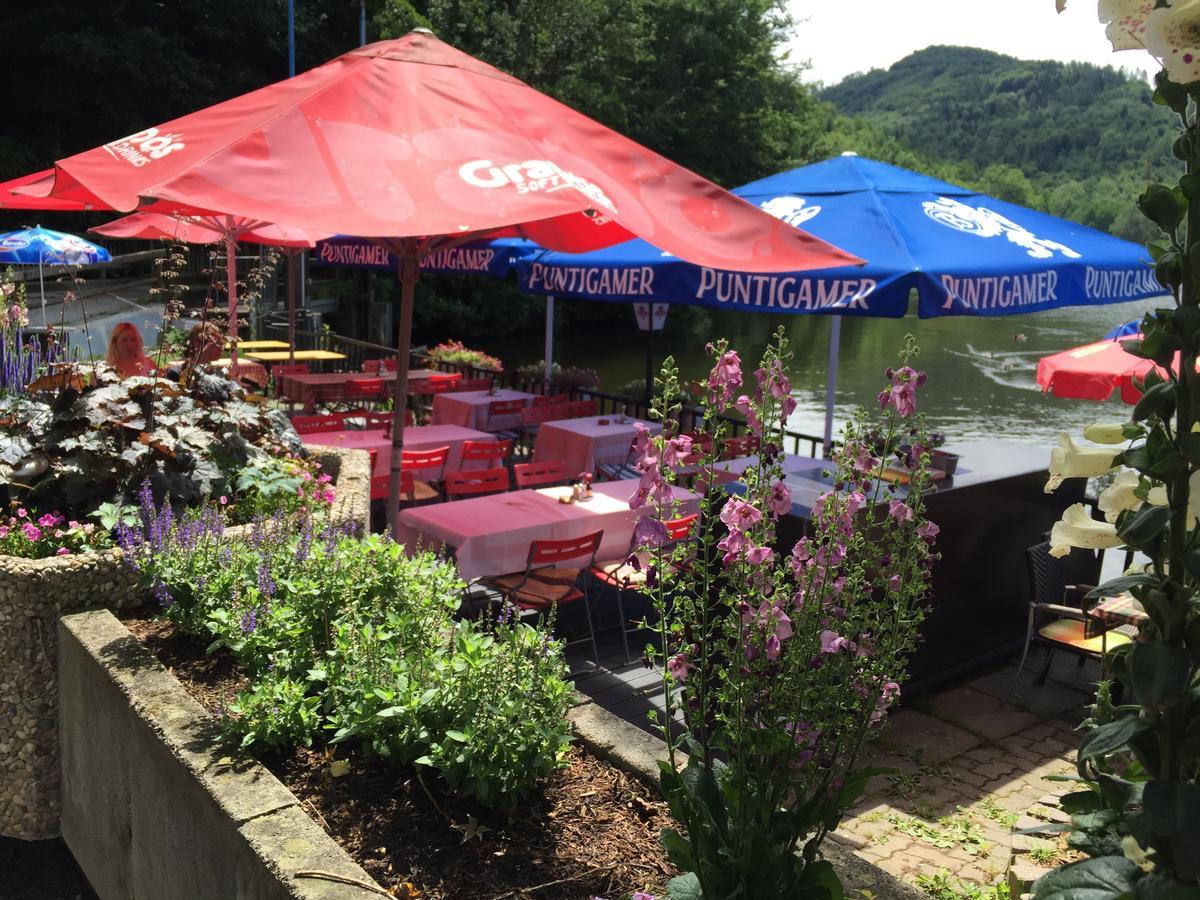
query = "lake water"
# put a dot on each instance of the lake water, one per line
(981, 370)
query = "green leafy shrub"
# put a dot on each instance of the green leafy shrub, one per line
(352, 640)
(562, 380)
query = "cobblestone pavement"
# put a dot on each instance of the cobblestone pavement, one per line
(968, 768)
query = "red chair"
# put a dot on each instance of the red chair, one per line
(384, 419)
(371, 366)
(540, 474)
(318, 424)
(280, 369)
(620, 470)
(545, 583)
(477, 483)
(577, 409)
(551, 399)
(435, 384)
(474, 384)
(411, 491)
(624, 575)
(365, 390)
(501, 408)
(735, 447)
(495, 452)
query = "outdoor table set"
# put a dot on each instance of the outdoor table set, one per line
(470, 409)
(491, 535)
(420, 437)
(588, 442)
(310, 389)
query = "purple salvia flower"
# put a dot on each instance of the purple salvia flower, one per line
(249, 621)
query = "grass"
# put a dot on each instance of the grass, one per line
(944, 886)
(948, 832)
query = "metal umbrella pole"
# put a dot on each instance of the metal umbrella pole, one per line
(835, 337)
(410, 271)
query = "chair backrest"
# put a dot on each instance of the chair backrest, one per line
(552, 552)
(482, 481)
(540, 474)
(433, 458)
(745, 445)
(551, 399)
(536, 415)
(381, 484)
(435, 384)
(578, 409)
(474, 384)
(317, 424)
(505, 408)
(678, 529)
(372, 365)
(384, 419)
(300, 368)
(365, 388)
(489, 451)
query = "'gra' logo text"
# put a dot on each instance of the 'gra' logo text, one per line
(139, 149)
(531, 175)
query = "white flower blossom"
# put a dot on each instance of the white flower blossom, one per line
(1119, 496)
(1078, 529)
(1068, 460)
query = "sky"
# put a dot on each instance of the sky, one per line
(841, 37)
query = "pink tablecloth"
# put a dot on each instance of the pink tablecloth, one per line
(330, 387)
(420, 437)
(470, 409)
(585, 443)
(491, 535)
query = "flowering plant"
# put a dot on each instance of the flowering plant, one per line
(1137, 812)
(780, 660)
(25, 533)
(455, 352)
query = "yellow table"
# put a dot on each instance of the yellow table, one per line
(260, 345)
(301, 355)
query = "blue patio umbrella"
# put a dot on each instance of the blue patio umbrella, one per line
(39, 246)
(962, 252)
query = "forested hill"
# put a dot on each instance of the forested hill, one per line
(1084, 136)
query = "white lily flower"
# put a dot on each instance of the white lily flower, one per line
(1068, 460)
(1077, 529)
(1119, 496)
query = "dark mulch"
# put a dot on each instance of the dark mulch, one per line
(40, 870)
(591, 830)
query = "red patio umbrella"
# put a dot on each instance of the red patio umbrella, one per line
(415, 142)
(1094, 371)
(212, 228)
(38, 180)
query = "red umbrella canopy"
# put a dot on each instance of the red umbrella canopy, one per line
(413, 138)
(206, 229)
(1094, 371)
(40, 182)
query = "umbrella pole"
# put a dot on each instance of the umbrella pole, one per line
(231, 276)
(293, 268)
(409, 272)
(548, 353)
(42, 287)
(835, 338)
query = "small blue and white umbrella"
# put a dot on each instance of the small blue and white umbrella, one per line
(39, 246)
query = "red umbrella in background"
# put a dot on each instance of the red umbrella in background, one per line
(37, 181)
(1094, 371)
(420, 144)
(213, 228)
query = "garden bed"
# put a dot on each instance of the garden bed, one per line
(593, 830)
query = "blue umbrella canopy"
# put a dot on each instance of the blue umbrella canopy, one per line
(963, 252)
(34, 246)
(496, 257)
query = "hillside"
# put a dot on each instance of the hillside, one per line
(1085, 137)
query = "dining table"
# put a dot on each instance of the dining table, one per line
(470, 409)
(417, 437)
(260, 345)
(491, 535)
(309, 389)
(1120, 609)
(587, 442)
(299, 355)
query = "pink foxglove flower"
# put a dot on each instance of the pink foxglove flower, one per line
(679, 667)
(738, 515)
(780, 503)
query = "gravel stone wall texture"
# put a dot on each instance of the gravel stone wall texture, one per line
(33, 594)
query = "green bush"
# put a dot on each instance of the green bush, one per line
(351, 640)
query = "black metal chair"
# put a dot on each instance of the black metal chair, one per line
(1058, 616)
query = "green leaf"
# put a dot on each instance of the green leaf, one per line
(1160, 672)
(1162, 206)
(1110, 737)
(1119, 586)
(1171, 810)
(1102, 878)
(821, 879)
(1080, 802)
(1145, 525)
(1154, 400)
(679, 851)
(684, 887)
(1160, 887)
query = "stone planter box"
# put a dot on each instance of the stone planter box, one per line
(33, 594)
(155, 805)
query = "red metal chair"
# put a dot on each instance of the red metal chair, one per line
(384, 419)
(365, 390)
(371, 366)
(578, 409)
(411, 491)
(735, 447)
(501, 408)
(540, 474)
(474, 384)
(435, 384)
(626, 575)
(532, 417)
(477, 483)
(495, 452)
(551, 399)
(318, 424)
(280, 369)
(546, 584)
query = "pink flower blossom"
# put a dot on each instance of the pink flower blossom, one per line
(887, 696)
(786, 409)
(862, 458)
(832, 642)
(677, 450)
(679, 667)
(21, 513)
(327, 495)
(32, 532)
(649, 532)
(3, 531)
(780, 501)
(894, 583)
(223, 500)
(62, 551)
(734, 544)
(928, 531)
(738, 515)
(745, 406)
(725, 377)
(854, 502)
(758, 556)
(773, 648)
(902, 395)
(324, 479)
(900, 511)
(46, 521)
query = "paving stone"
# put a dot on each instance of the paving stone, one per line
(981, 714)
(913, 732)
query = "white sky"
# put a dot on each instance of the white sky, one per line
(841, 37)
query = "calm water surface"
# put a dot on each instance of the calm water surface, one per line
(981, 371)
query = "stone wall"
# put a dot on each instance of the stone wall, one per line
(156, 806)
(33, 594)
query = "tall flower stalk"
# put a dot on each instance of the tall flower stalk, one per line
(778, 662)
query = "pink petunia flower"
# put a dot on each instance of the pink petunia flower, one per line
(32, 532)
(62, 551)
